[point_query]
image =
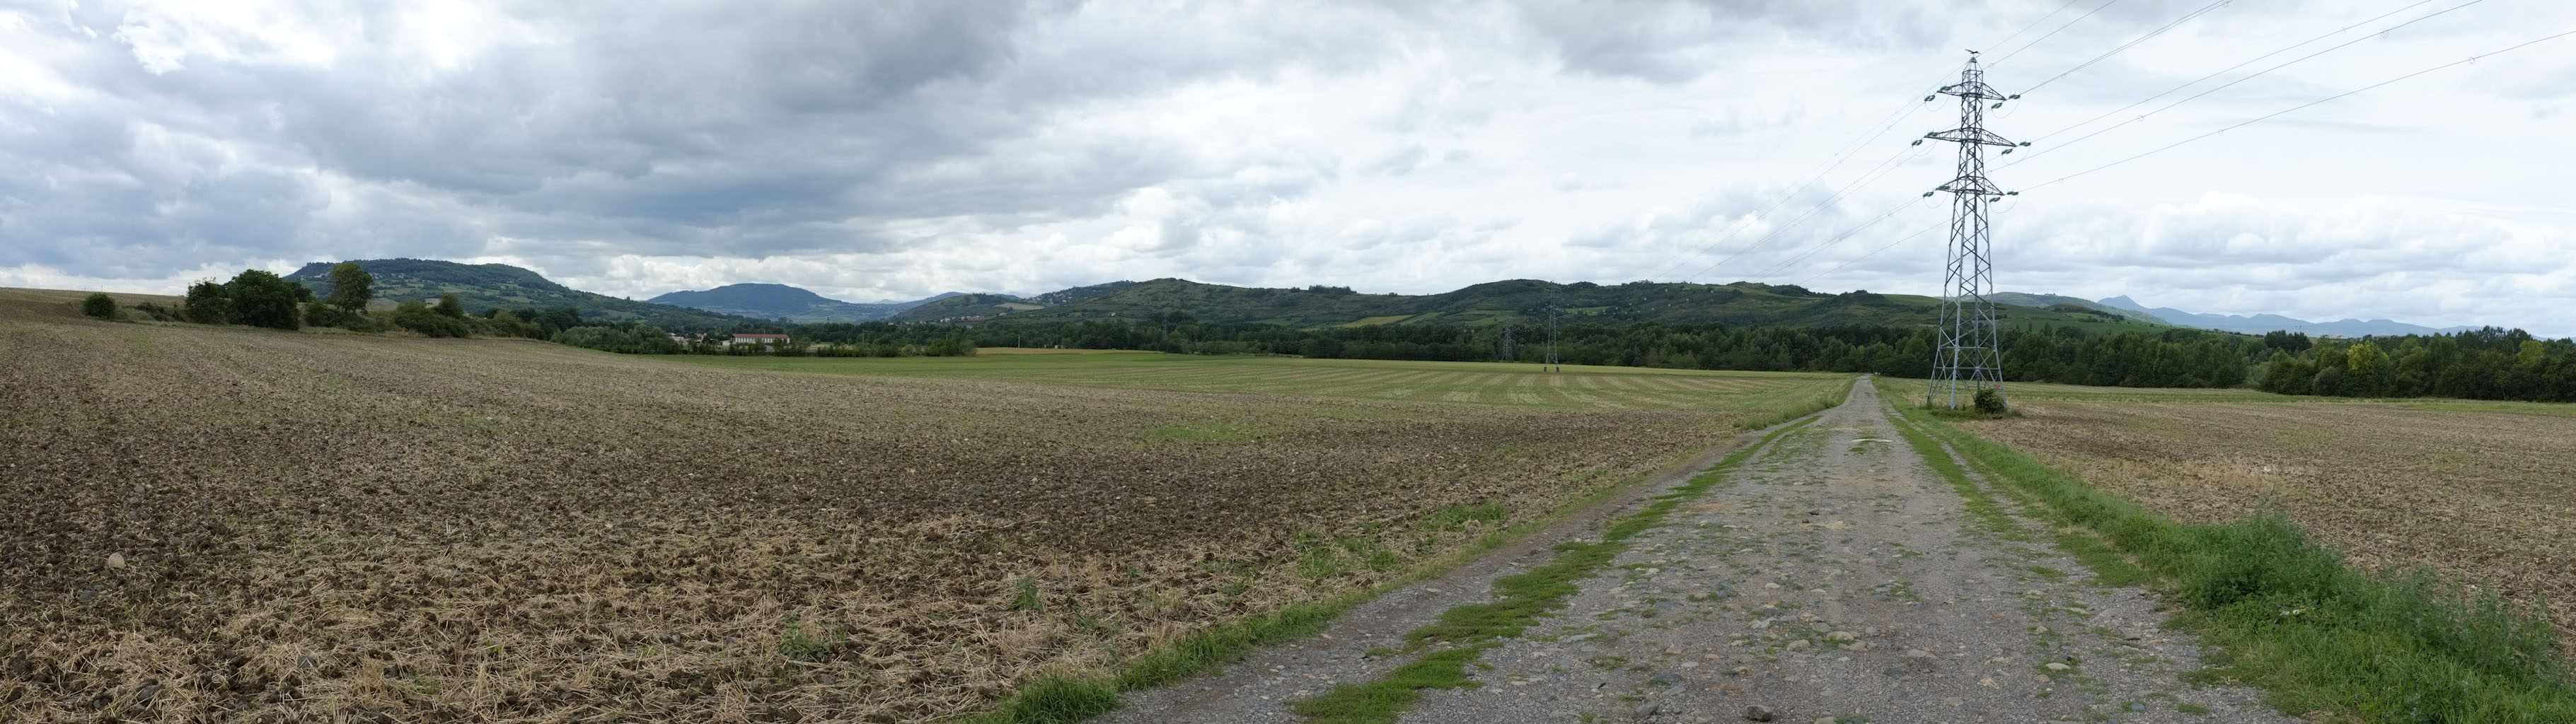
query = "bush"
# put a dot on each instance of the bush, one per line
(261, 299)
(637, 339)
(416, 317)
(100, 305)
(206, 303)
(157, 312)
(1990, 401)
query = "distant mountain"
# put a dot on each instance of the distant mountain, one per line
(2045, 301)
(779, 301)
(2261, 323)
(485, 286)
(1741, 303)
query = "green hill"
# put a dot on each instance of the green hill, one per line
(485, 286)
(779, 301)
(1740, 303)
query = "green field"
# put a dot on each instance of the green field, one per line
(1488, 383)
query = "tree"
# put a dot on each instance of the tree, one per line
(351, 286)
(449, 306)
(261, 299)
(100, 305)
(2370, 368)
(206, 303)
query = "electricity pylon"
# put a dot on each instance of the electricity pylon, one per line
(1552, 364)
(1970, 356)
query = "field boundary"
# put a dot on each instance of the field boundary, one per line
(1072, 697)
(2284, 613)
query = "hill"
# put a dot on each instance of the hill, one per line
(1741, 303)
(2260, 323)
(2045, 301)
(779, 301)
(485, 286)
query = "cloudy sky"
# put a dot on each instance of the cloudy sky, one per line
(888, 149)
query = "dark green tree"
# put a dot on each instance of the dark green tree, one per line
(261, 299)
(351, 286)
(100, 305)
(206, 303)
(450, 306)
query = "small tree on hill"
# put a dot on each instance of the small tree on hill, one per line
(100, 305)
(351, 286)
(261, 299)
(450, 306)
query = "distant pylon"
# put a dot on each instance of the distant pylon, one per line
(1970, 355)
(1507, 341)
(1552, 364)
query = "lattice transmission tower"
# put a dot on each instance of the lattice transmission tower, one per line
(1970, 356)
(1551, 364)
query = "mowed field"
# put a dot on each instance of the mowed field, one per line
(2482, 492)
(247, 525)
(1577, 387)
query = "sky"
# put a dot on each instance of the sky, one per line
(892, 150)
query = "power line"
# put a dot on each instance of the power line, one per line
(1845, 154)
(1835, 240)
(2196, 81)
(2052, 33)
(1873, 252)
(2257, 119)
(1872, 175)
(2033, 24)
(2224, 86)
(2125, 46)
(1841, 155)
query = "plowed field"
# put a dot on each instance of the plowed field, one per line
(244, 525)
(2483, 492)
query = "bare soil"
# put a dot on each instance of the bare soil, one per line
(248, 525)
(2483, 496)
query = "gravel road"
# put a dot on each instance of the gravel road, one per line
(1833, 578)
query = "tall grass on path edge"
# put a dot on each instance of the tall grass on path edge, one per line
(2287, 614)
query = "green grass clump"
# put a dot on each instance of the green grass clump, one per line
(1519, 601)
(2287, 613)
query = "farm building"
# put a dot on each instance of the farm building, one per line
(758, 339)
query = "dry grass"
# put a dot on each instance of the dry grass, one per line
(329, 527)
(2486, 497)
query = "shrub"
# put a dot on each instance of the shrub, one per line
(157, 312)
(261, 299)
(449, 306)
(100, 305)
(207, 303)
(1990, 401)
(416, 317)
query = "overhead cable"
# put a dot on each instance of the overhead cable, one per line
(2257, 119)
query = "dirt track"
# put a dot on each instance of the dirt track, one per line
(1833, 578)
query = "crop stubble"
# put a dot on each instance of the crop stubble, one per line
(2485, 497)
(327, 527)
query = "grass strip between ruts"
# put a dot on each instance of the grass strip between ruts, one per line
(1056, 698)
(1463, 633)
(2285, 613)
(1810, 407)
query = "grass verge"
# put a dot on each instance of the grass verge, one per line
(1463, 633)
(2286, 613)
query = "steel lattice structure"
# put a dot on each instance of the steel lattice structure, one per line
(1970, 356)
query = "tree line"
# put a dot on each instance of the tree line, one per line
(2488, 363)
